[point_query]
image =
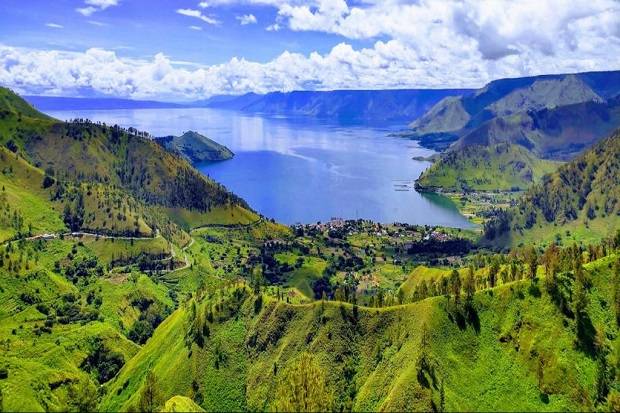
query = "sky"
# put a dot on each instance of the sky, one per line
(185, 50)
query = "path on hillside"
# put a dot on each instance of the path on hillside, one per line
(228, 226)
(187, 264)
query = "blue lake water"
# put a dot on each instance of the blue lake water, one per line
(304, 170)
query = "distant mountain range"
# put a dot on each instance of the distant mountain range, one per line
(359, 105)
(44, 103)
(555, 116)
(372, 105)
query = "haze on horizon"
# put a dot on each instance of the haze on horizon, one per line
(193, 49)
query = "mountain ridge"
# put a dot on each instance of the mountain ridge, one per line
(517, 104)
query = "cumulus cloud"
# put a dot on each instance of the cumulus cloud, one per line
(273, 27)
(197, 14)
(247, 19)
(92, 6)
(54, 25)
(426, 44)
(496, 28)
(388, 64)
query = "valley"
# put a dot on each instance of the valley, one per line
(131, 281)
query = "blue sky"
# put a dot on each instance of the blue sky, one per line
(188, 49)
(143, 28)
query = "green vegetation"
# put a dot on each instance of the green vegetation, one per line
(554, 116)
(195, 147)
(579, 201)
(129, 282)
(501, 167)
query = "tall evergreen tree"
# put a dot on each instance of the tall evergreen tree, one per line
(150, 396)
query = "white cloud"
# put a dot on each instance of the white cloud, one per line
(102, 4)
(388, 64)
(247, 19)
(496, 28)
(197, 28)
(273, 27)
(203, 4)
(426, 44)
(55, 25)
(197, 14)
(86, 11)
(93, 6)
(97, 23)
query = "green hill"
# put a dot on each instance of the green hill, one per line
(181, 404)
(99, 170)
(519, 352)
(581, 200)
(499, 167)
(195, 147)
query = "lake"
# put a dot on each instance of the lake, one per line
(303, 170)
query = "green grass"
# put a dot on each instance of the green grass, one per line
(181, 404)
(301, 279)
(108, 250)
(493, 367)
(21, 193)
(499, 167)
(220, 215)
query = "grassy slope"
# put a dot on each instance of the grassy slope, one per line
(220, 215)
(87, 152)
(20, 186)
(493, 368)
(580, 201)
(498, 167)
(41, 366)
(181, 404)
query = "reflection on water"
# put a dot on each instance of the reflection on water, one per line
(304, 170)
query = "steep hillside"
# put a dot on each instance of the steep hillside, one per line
(195, 147)
(516, 350)
(369, 105)
(545, 94)
(503, 167)
(554, 115)
(583, 196)
(84, 152)
(558, 133)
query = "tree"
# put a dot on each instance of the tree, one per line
(82, 396)
(455, 284)
(617, 290)
(540, 371)
(531, 257)
(302, 387)
(442, 398)
(150, 395)
(550, 260)
(470, 287)
(493, 271)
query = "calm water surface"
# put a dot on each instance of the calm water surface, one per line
(304, 170)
